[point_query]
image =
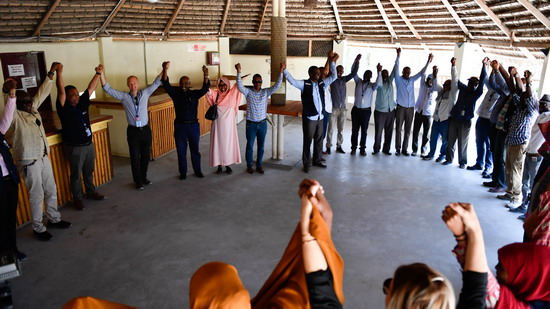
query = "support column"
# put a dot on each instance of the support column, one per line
(278, 55)
(544, 86)
(468, 60)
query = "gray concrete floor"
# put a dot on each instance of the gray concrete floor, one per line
(141, 248)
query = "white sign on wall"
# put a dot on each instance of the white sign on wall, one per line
(16, 70)
(28, 82)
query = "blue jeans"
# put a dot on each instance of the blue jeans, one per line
(255, 130)
(439, 128)
(484, 154)
(326, 120)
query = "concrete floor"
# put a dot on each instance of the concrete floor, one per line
(141, 248)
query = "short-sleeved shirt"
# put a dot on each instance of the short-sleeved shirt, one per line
(75, 121)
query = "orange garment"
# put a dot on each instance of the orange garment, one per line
(87, 302)
(217, 285)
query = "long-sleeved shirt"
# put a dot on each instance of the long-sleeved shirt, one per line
(491, 97)
(385, 95)
(426, 97)
(26, 132)
(446, 99)
(364, 91)
(519, 131)
(185, 102)
(5, 123)
(498, 84)
(328, 100)
(338, 87)
(464, 107)
(134, 106)
(316, 96)
(405, 86)
(256, 109)
(537, 139)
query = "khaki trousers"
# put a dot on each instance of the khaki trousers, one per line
(338, 117)
(515, 157)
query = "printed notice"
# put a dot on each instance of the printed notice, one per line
(16, 70)
(196, 48)
(28, 82)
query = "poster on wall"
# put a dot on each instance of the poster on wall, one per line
(196, 48)
(16, 70)
(28, 82)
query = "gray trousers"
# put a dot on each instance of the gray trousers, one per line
(458, 130)
(383, 123)
(313, 132)
(338, 117)
(40, 184)
(403, 115)
(530, 168)
(81, 160)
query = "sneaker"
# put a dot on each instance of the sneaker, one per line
(497, 190)
(199, 174)
(514, 204)
(475, 167)
(250, 170)
(260, 170)
(363, 153)
(147, 182)
(518, 210)
(60, 224)
(228, 170)
(95, 196)
(413, 154)
(20, 255)
(43, 236)
(447, 163)
(462, 166)
(139, 187)
(439, 159)
(506, 196)
(340, 150)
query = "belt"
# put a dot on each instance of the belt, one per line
(138, 128)
(78, 145)
(261, 121)
(186, 122)
(363, 109)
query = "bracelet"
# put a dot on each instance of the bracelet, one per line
(309, 240)
(463, 234)
(98, 73)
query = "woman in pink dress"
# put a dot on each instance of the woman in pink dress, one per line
(224, 141)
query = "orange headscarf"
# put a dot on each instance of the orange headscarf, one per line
(87, 302)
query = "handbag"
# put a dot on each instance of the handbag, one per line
(212, 112)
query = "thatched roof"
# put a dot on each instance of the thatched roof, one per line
(519, 27)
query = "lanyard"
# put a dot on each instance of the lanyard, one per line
(136, 107)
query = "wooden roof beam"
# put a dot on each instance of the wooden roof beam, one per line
(386, 19)
(173, 18)
(335, 9)
(111, 16)
(405, 19)
(225, 14)
(264, 10)
(46, 17)
(527, 53)
(538, 14)
(495, 19)
(457, 18)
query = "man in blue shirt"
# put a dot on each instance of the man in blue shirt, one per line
(404, 85)
(313, 101)
(256, 115)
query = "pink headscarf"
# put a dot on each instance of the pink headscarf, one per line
(232, 97)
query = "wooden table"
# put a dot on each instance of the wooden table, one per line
(278, 112)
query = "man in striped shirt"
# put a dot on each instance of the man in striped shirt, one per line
(256, 115)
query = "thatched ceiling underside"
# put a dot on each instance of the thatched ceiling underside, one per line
(514, 27)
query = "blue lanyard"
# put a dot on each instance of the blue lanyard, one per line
(137, 106)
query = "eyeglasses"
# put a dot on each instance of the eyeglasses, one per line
(257, 81)
(386, 285)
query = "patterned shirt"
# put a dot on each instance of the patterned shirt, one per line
(522, 121)
(256, 109)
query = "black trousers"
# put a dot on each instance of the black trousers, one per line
(383, 122)
(499, 157)
(424, 122)
(8, 214)
(184, 134)
(360, 118)
(458, 131)
(139, 144)
(313, 131)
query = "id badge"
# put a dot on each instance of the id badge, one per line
(462, 113)
(138, 123)
(88, 132)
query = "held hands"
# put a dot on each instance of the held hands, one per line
(166, 65)
(527, 74)
(398, 50)
(430, 57)
(453, 61)
(54, 66)
(8, 85)
(495, 65)
(283, 66)
(453, 221)
(358, 58)
(485, 61)
(238, 67)
(205, 71)
(469, 218)
(378, 67)
(99, 69)
(435, 70)
(59, 68)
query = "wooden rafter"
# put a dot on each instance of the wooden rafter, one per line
(173, 18)
(225, 14)
(538, 14)
(264, 10)
(335, 9)
(495, 18)
(386, 19)
(405, 19)
(46, 17)
(527, 53)
(111, 16)
(457, 18)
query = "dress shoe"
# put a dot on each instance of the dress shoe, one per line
(413, 154)
(328, 151)
(319, 164)
(250, 170)
(462, 166)
(375, 153)
(387, 153)
(147, 182)
(95, 196)
(506, 196)
(427, 158)
(139, 187)
(44, 236)
(439, 159)
(324, 152)
(475, 167)
(363, 153)
(518, 210)
(487, 176)
(219, 171)
(497, 190)
(183, 176)
(352, 152)
(447, 163)
(199, 174)
(78, 205)
(323, 159)
(60, 224)
(340, 150)
(260, 170)
(228, 170)
(489, 184)
(306, 169)
(405, 153)
(20, 255)
(398, 153)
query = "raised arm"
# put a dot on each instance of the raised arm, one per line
(296, 83)
(330, 79)
(436, 85)
(354, 69)
(482, 76)
(95, 80)
(45, 88)
(423, 71)
(239, 81)
(378, 81)
(60, 84)
(9, 109)
(166, 81)
(117, 94)
(279, 81)
(205, 82)
(151, 88)
(395, 70)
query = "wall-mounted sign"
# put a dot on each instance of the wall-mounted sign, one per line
(16, 70)
(196, 48)
(28, 82)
